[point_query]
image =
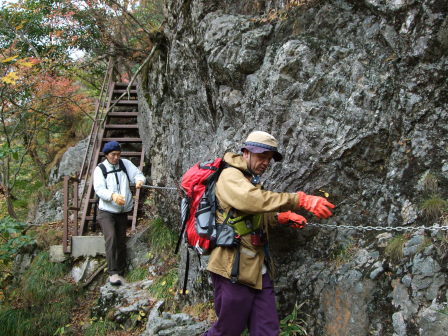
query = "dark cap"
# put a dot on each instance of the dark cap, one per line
(111, 146)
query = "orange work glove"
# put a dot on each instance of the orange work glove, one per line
(294, 220)
(138, 184)
(315, 204)
(117, 198)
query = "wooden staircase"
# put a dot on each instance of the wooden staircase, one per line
(119, 123)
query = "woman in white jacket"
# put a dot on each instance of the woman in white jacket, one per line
(111, 184)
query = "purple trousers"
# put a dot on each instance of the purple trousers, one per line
(238, 306)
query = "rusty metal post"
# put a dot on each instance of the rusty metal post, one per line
(66, 229)
(75, 206)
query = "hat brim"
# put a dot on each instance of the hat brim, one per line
(255, 149)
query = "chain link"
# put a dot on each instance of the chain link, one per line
(380, 228)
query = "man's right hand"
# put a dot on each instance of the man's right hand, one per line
(118, 199)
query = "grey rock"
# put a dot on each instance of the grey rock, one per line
(123, 302)
(165, 323)
(412, 245)
(432, 321)
(399, 324)
(407, 280)
(408, 213)
(355, 92)
(376, 272)
(70, 163)
(401, 299)
(48, 210)
(137, 248)
(383, 238)
(83, 269)
(57, 254)
(425, 266)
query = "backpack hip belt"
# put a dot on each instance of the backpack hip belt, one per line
(246, 224)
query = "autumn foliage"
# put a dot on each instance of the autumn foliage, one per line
(53, 54)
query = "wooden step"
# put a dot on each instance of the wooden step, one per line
(123, 139)
(123, 114)
(138, 154)
(124, 102)
(121, 84)
(121, 126)
(89, 218)
(121, 91)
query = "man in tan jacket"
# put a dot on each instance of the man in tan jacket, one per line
(243, 292)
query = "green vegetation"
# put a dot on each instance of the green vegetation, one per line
(99, 328)
(42, 301)
(12, 239)
(165, 286)
(344, 253)
(137, 274)
(443, 311)
(161, 237)
(394, 248)
(294, 324)
(430, 183)
(202, 311)
(47, 90)
(161, 240)
(434, 207)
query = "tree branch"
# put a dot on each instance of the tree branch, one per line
(131, 16)
(133, 77)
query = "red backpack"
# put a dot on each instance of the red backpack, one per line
(198, 207)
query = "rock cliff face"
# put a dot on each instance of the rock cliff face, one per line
(356, 92)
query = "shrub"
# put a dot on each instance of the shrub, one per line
(394, 248)
(161, 237)
(434, 207)
(12, 240)
(43, 300)
(294, 324)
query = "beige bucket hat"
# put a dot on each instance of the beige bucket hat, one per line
(260, 142)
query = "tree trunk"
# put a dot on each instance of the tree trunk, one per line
(9, 204)
(39, 164)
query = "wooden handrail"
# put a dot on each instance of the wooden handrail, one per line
(99, 115)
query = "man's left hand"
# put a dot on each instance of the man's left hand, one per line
(138, 184)
(294, 220)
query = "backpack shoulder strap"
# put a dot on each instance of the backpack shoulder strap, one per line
(103, 169)
(123, 168)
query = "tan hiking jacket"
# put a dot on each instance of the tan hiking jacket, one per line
(234, 190)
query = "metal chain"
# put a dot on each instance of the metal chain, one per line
(157, 187)
(350, 227)
(380, 228)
